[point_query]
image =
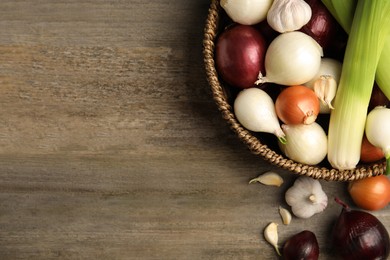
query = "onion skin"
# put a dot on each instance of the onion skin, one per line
(324, 28)
(360, 235)
(378, 98)
(239, 55)
(297, 105)
(370, 153)
(370, 193)
(303, 245)
(267, 31)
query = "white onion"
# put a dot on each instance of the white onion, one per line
(292, 58)
(255, 110)
(247, 12)
(377, 129)
(306, 144)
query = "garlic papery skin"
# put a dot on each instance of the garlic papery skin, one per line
(246, 12)
(306, 197)
(325, 83)
(255, 110)
(306, 144)
(288, 15)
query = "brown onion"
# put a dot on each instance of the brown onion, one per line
(370, 153)
(297, 105)
(239, 55)
(359, 235)
(371, 193)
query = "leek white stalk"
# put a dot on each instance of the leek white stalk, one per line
(378, 131)
(368, 34)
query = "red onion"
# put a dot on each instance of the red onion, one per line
(359, 235)
(378, 98)
(303, 245)
(267, 31)
(325, 30)
(239, 55)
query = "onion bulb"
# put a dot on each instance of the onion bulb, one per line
(292, 58)
(324, 28)
(371, 193)
(247, 12)
(305, 143)
(378, 98)
(297, 105)
(255, 110)
(239, 55)
(370, 153)
(377, 130)
(303, 245)
(359, 235)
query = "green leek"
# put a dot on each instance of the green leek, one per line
(343, 12)
(368, 34)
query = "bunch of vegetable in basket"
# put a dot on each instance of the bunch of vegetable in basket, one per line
(292, 62)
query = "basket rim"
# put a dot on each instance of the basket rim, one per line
(251, 141)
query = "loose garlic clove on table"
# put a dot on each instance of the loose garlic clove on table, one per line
(268, 178)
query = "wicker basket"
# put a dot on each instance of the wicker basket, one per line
(256, 145)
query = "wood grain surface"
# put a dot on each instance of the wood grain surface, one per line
(111, 146)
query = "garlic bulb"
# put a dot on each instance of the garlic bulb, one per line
(288, 15)
(306, 197)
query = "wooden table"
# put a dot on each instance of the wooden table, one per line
(111, 146)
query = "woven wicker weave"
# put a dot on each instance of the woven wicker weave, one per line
(253, 142)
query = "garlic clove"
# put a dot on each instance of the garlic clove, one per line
(268, 178)
(325, 88)
(271, 235)
(288, 15)
(286, 215)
